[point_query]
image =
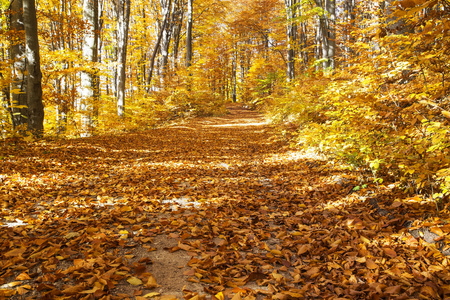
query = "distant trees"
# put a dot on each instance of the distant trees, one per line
(103, 69)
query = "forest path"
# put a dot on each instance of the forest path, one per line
(218, 206)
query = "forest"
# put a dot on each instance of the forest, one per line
(294, 149)
(362, 81)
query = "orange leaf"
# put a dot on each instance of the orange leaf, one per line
(389, 252)
(23, 276)
(15, 252)
(371, 264)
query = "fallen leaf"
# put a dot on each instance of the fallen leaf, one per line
(151, 295)
(134, 281)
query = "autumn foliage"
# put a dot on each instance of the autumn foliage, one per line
(342, 194)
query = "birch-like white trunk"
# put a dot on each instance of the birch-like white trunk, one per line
(122, 41)
(330, 7)
(90, 54)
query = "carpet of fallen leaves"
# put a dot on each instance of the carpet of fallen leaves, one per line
(253, 218)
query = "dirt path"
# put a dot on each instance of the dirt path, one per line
(214, 206)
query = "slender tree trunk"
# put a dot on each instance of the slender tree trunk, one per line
(330, 7)
(177, 33)
(90, 54)
(34, 87)
(166, 14)
(319, 40)
(122, 33)
(291, 39)
(189, 33)
(234, 72)
(18, 105)
(165, 43)
(350, 20)
(326, 32)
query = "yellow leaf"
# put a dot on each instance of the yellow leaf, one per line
(151, 295)
(134, 281)
(168, 297)
(276, 252)
(125, 208)
(365, 240)
(446, 114)
(151, 282)
(71, 235)
(437, 230)
(23, 276)
(219, 296)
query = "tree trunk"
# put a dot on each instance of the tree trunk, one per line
(330, 7)
(122, 40)
(18, 105)
(34, 86)
(165, 43)
(291, 38)
(177, 33)
(166, 14)
(234, 72)
(326, 32)
(189, 34)
(88, 78)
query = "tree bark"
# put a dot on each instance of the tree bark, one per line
(122, 40)
(189, 33)
(34, 86)
(88, 78)
(326, 32)
(291, 38)
(177, 33)
(330, 7)
(166, 16)
(18, 106)
(165, 43)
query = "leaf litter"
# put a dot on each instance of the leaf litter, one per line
(215, 207)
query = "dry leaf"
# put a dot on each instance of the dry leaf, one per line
(134, 281)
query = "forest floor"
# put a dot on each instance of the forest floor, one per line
(216, 208)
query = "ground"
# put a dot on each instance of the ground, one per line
(220, 208)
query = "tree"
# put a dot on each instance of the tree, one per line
(34, 85)
(88, 88)
(166, 12)
(18, 106)
(291, 38)
(123, 22)
(189, 34)
(326, 33)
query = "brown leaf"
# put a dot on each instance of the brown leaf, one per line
(389, 252)
(370, 264)
(151, 282)
(15, 252)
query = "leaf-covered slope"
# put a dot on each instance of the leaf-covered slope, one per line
(240, 215)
